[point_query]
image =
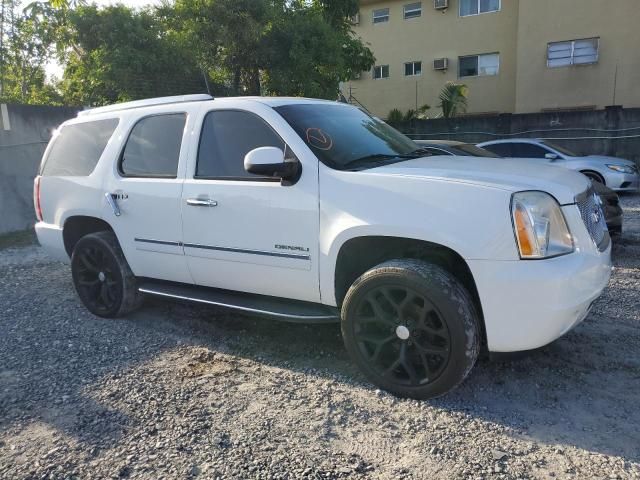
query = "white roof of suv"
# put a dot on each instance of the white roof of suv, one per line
(152, 102)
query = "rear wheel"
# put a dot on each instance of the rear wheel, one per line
(102, 277)
(411, 327)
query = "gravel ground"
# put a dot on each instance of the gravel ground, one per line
(177, 391)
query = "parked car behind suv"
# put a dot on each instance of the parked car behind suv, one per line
(616, 173)
(610, 202)
(313, 211)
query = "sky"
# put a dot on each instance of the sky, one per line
(53, 69)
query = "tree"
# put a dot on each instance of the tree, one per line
(453, 99)
(118, 54)
(27, 46)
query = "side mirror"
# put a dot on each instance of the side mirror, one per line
(270, 162)
(552, 156)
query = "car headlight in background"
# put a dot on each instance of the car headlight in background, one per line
(622, 168)
(540, 227)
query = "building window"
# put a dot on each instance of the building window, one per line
(476, 7)
(381, 15)
(479, 65)
(413, 10)
(381, 71)
(573, 52)
(412, 68)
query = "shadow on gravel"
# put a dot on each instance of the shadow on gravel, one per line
(581, 391)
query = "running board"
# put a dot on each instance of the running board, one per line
(282, 309)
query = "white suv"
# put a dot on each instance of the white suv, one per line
(313, 211)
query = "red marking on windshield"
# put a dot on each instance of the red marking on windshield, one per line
(319, 139)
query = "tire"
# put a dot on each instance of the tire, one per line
(102, 277)
(412, 328)
(594, 176)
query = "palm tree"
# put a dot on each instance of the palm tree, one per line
(453, 99)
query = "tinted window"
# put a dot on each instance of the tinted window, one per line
(153, 147)
(227, 136)
(500, 149)
(470, 150)
(341, 135)
(528, 150)
(77, 148)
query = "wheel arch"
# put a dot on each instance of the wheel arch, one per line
(589, 171)
(77, 226)
(358, 254)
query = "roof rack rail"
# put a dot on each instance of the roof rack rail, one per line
(149, 102)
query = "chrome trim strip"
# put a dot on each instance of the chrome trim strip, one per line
(237, 307)
(252, 252)
(158, 242)
(225, 249)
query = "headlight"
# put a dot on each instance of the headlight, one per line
(622, 168)
(540, 228)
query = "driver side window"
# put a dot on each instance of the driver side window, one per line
(528, 150)
(227, 136)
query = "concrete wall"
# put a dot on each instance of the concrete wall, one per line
(24, 135)
(614, 131)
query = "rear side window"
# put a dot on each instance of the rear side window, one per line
(227, 136)
(153, 147)
(501, 149)
(77, 148)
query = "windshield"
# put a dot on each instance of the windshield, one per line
(471, 150)
(560, 149)
(344, 137)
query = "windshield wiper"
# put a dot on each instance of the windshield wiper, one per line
(381, 156)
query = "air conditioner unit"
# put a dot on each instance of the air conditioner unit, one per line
(355, 19)
(441, 64)
(440, 4)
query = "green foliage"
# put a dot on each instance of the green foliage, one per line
(453, 99)
(241, 47)
(118, 54)
(395, 117)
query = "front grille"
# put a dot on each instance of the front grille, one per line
(590, 207)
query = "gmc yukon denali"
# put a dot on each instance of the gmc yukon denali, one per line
(314, 211)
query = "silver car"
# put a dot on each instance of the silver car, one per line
(616, 173)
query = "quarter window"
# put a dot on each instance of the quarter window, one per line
(413, 68)
(227, 136)
(479, 65)
(381, 15)
(573, 52)
(476, 7)
(413, 10)
(153, 147)
(77, 148)
(381, 71)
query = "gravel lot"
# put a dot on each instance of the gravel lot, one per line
(178, 391)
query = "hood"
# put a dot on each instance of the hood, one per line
(611, 160)
(500, 173)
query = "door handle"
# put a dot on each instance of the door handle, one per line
(112, 203)
(201, 202)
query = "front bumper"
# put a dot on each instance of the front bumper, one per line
(623, 182)
(529, 304)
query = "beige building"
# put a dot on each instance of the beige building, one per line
(516, 56)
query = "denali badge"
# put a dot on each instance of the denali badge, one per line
(291, 247)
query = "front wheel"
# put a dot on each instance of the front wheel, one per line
(102, 277)
(412, 328)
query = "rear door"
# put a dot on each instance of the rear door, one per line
(143, 190)
(243, 232)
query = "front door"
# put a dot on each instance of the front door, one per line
(145, 191)
(243, 232)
